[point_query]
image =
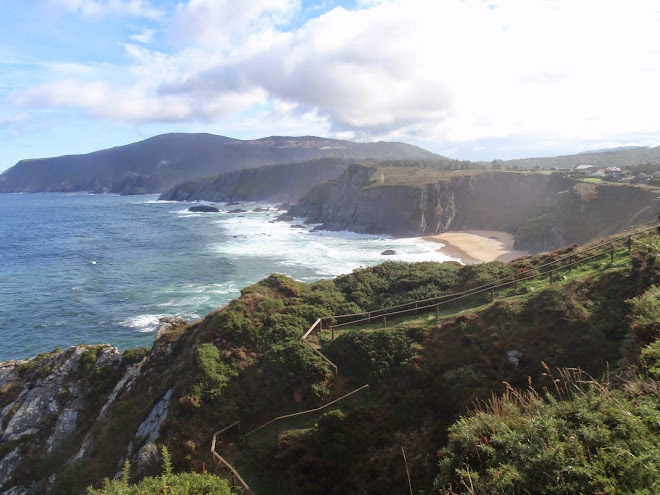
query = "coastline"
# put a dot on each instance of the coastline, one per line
(477, 246)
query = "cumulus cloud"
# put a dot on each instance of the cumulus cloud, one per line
(218, 22)
(456, 70)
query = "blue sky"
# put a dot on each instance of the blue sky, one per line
(471, 79)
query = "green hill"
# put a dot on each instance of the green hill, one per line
(158, 163)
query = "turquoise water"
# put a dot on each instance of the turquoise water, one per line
(83, 268)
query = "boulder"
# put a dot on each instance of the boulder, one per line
(204, 209)
(388, 252)
(238, 210)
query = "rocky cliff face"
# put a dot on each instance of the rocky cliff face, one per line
(57, 410)
(287, 182)
(544, 211)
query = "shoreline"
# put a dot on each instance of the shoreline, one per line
(477, 246)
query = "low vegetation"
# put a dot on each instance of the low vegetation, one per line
(173, 484)
(246, 361)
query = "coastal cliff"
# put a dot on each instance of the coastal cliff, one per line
(544, 211)
(286, 182)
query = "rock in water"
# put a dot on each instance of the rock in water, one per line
(388, 252)
(204, 209)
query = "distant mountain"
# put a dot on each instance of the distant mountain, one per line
(158, 163)
(619, 157)
(606, 150)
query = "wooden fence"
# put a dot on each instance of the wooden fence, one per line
(549, 270)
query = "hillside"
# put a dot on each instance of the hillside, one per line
(78, 414)
(276, 183)
(158, 163)
(620, 157)
(544, 211)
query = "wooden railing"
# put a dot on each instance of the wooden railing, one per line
(548, 269)
(235, 477)
(276, 421)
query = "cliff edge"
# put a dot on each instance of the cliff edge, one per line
(544, 211)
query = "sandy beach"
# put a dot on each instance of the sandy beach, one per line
(477, 246)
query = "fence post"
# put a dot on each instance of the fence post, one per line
(492, 295)
(384, 321)
(415, 307)
(629, 242)
(612, 254)
(437, 311)
(515, 282)
(332, 330)
(552, 279)
(570, 264)
(369, 316)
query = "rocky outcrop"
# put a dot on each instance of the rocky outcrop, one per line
(288, 182)
(55, 390)
(203, 209)
(134, 183)
(63, 408)
(544, 211)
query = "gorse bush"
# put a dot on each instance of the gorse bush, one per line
(646, 315)
(591, 440)
(167, 483)
(132, 356)
(650, 357)
(212, 375)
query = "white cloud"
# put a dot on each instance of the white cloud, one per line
(452, 71)
(100, 8)
(144, 36)
(218, 22)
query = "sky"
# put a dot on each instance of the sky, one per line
(468, 79)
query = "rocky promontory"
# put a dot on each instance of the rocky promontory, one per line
(276, 183)
(543, 211)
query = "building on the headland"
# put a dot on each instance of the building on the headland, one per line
(585, 169)
(642, 178)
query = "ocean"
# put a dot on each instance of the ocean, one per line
(85, 268)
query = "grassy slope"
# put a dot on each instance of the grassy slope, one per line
(246, 361)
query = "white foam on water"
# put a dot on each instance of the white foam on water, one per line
(142, 323)
(326, 253)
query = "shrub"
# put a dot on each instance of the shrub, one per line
(174, 484)
(294, 357)
(132, 356)
(590, 442)
(234, 324)
(651, 359)
(646, 315)
(377, 354)
(212, 375)
(87, 361)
